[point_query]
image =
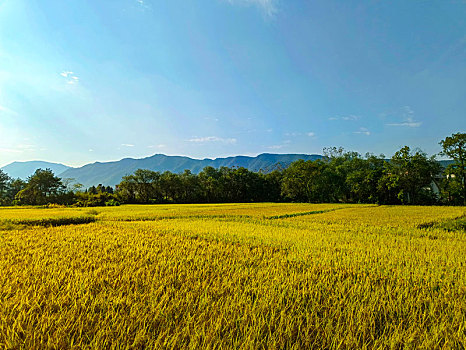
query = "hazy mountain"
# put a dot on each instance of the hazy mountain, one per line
(110, 173)
(445, 163)
(25, 169)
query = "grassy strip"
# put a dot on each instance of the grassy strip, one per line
(284, 216)
(175, 217)
(46, 222)
(450, 225)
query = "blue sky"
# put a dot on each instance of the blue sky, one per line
(84, 81)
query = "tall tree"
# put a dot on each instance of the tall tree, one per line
(454, 146)
(410, 175)
(306, 181)
(4, 182)
(42, 187)
(363, 177)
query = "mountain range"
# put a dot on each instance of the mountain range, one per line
(111, 173)
(24, 169)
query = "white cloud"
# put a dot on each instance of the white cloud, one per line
(292, 133)
(26, 147)
(127, 145)
(295, 134)
(6, 110)
(407, 115)
(157, 146)
(409, 124)
(211, 119)
(362, 131)
(276, 147)
(70, 77)
(142, 4)
(212, 139)
(21, 148)
(347, 118)
(351, 117)
(267, 7)
(10, 150)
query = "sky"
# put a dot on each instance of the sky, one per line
(84, 81)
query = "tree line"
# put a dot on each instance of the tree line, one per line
(408, 177)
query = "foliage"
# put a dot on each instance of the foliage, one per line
(4, 180)
(43, 187)
(454, 146)
(88, 199)
(409, 177)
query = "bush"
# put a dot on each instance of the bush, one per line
(112, 203)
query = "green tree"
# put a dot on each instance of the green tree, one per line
(191, 188)
(409, 175)
(142, 187)
(304, 181)
(210, 184)
(172, 186)
(272, 186)
(454, 146)
(4, 183)
(42, 187)
(363, 177)
(14, 187)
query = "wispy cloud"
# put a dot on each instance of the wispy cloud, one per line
(70, 77)
(21, 148)
(408, 121)
(347, 118)
(10, 150)
(212, 139)
(285, 143)
(6, 110)
(26, 147)
(157, 146)
(127, 145)
(409, 124)
(295, 134)
(142, 4)
(268, 7)
(362, 131)
(276, 147)
(212, 119)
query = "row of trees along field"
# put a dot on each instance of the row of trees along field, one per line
(409, 177)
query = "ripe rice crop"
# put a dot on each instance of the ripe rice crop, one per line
(235, 276)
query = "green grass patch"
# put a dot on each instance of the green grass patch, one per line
(450, 225)
(292, 215)
(10, 224)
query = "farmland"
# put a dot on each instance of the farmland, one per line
(233, 276)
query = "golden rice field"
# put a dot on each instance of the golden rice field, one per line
(232, 276)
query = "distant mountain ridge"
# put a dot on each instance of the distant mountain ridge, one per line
(111, 173)
(25, 169)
